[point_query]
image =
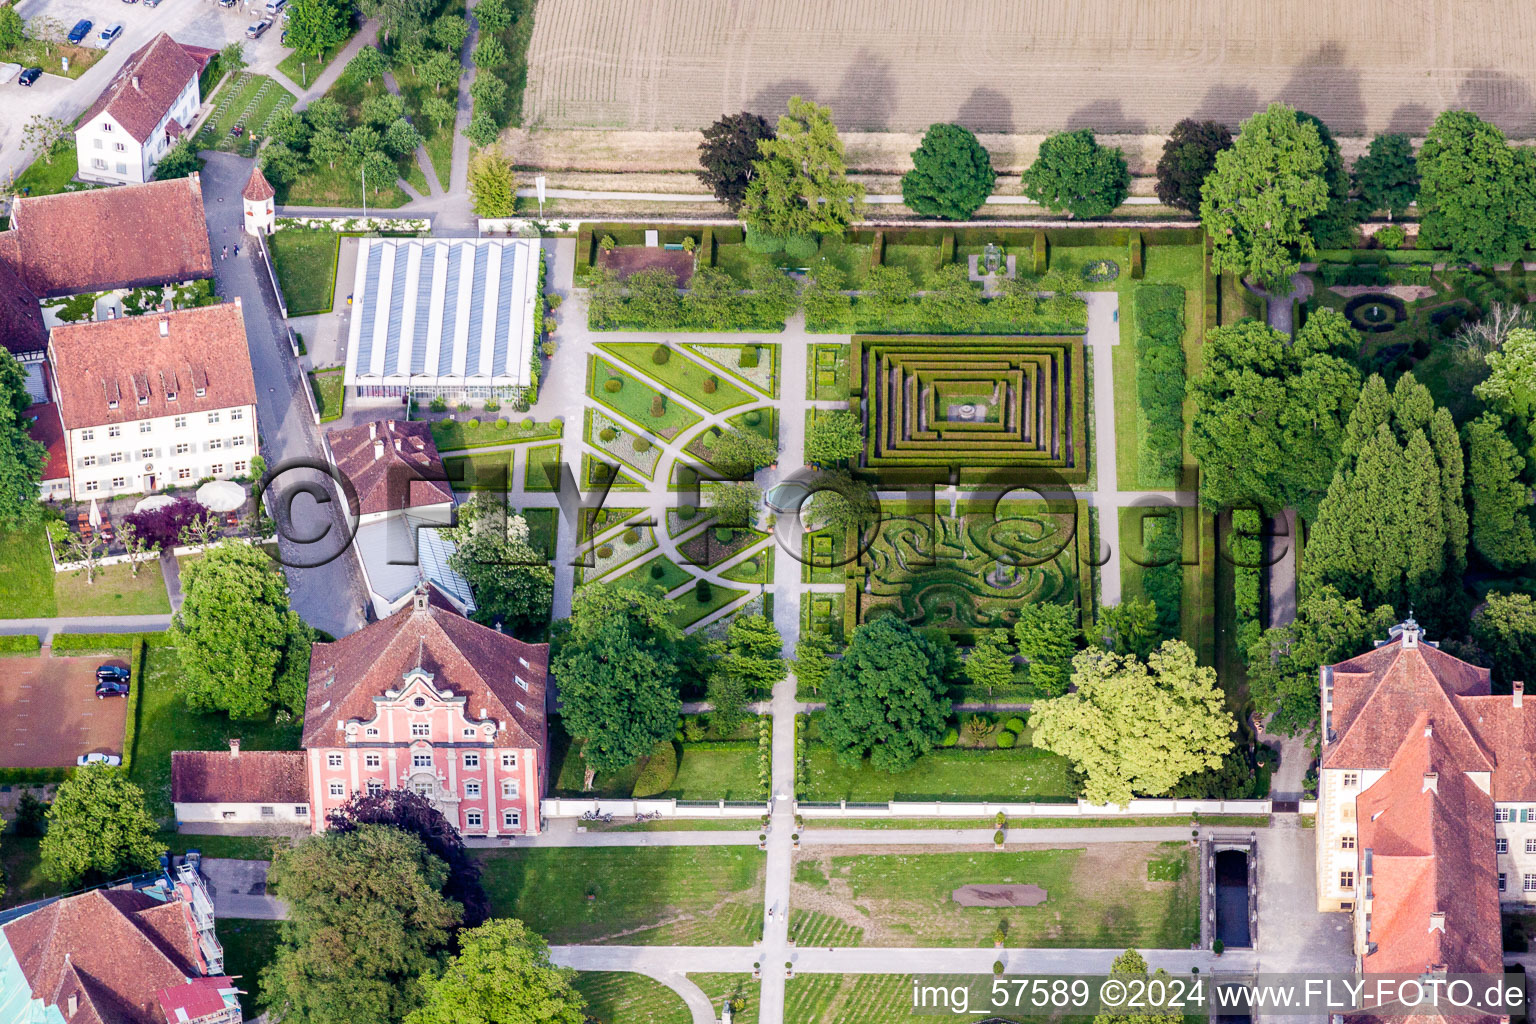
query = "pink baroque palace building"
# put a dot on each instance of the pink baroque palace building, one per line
(424, 700)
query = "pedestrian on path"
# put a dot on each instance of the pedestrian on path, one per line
(237, 251)
(225, 253)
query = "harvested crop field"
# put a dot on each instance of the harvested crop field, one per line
(1116, 65)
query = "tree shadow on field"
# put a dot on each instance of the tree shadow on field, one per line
(771, 100)
(1410, 119)
(1324, 86)
(866, 97)
(1498, 97)
(1107, 117)
(986, 110)
(1229, 104)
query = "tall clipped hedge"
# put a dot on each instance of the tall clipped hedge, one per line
(650, 301)
(1160, 381)
(1247, 554)
(1163, 584)
(659, 772)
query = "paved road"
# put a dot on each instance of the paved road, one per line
(328, 596)
(46, 628)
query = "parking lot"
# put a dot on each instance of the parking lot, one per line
(49, 714)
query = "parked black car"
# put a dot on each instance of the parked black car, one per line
(112, 674)
(80, 31)
(30, 75)
(104, 690)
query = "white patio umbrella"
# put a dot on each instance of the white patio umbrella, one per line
(95, 514)
(221, 495)
(153, 502)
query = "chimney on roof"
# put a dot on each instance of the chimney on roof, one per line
(397, 445)
(378, 449)
(234, 747)
(1431, 782)
(136, 81)
(1519, 691)
(1429, 729)
(1437, 921)
(165, 327)
(373, 431)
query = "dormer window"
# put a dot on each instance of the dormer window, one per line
(200, 392)
(112, 404)
(144, 399)
(170, 396)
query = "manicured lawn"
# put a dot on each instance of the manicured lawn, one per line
(688, 609)
(489, 471)
(248, 947)
(826, 372)
(633, 400)
(436, 138)
(621, 997)
(697, 896)
(28, 574)
(305, 261)
(21, 865)
(165, 724)
(1021, 773)
(660, 571)
(34, 53)
(330, 391)
(740, 989)
(543, 529)
(1102, 896)
(757, 569)
(712, 773)
(45, 179)
(681, 825)
(246, 100)
(491, 429)
(339, 186)
(114, 591)
(680, 373)
(878, 999)
(1154, 821)
(534, 478)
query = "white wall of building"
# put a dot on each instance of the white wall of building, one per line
(108, 153)
(142, 456)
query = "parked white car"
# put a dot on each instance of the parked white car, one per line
(110, 760)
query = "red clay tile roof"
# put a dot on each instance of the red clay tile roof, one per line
(1509, 732)
(112, 948)
(130, 236)
(162, 68)
(393, 464)
(1377, 694)
(47, 431)
(1429, 849)
(254, 777)
(472, 660)
(200, 997)
(127, 358)
(21, 318)
(257, 188)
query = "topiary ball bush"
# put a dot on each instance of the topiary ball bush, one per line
(474, 422)
(711, 384)
(686, 512)
(502, 424)
(657, 572)
(612, 385)
(526, 423)
(599, 471)
(605, 551)
(1420, 349)
(752, 418)
(1006, 739)
(607, 434)
(631, 535)
(658, 406)
(707, 439)
(724, 534)
(951, 737)
(1014, 724)
(801, 247)
(703, 592)
(749, 568)
(641, 444)
(660, 354)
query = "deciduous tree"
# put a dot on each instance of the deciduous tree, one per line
(1511, 383)
(98, 828)
(1073, 173)
(990, 663)
(368, 64)
(12, 29)
(340, 957)
(1256, 204)
(885, 697)
(729, 154)
(951, 175)
(492, 185)
(1129, 627)
(1134, 727)
(489, 53)
(1270, 412)
(1387, 176)
(1131, 965)
(813, 659)
(1283, 663)
(800, 185)
(839, 502)
(493, 15)
(1046, 635)
(243, 650)
(1333, 227)
(441, 68)
(449, 30)
(749, 660)
(513, 584)
(833, 437)
(1477, 195)
(618, 664)
(1392, 528)
(1504, 629)
(21, 458)
(738, 452)
(502, 974)
(42, 135)
(316, 26)
(734, 503)
(1501, 502)
(1188, 158)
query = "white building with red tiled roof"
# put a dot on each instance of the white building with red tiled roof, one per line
(148, 402)
(424, 700)
(1426, 818)
(142, 113)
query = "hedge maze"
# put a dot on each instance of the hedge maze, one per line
(969, 570)
(971, 410)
